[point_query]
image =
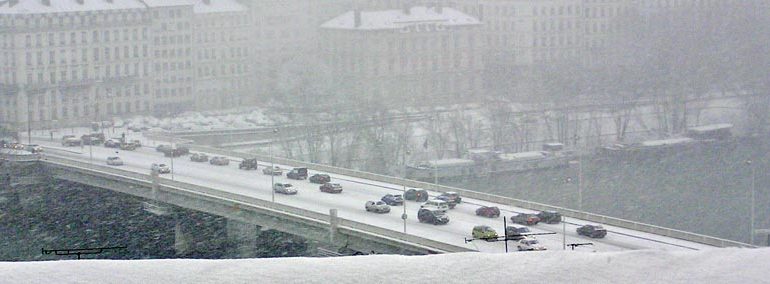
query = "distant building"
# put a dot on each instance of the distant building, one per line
(221, 47)
(73, 61)
(413, 55)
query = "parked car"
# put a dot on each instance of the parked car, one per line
(549, 217)
(435, 204)
(297, 173)
(331, 187)
(377, 207)
(160, 168)
(114, 161)
(284, 188)
(248, 164)
(275, 170)
(416, 194)
(219, 161)
(451, 197)
(488, 211)
(592, 231)
(529, 244)
(128, 146)
(432, 216)
(320, 178)
(112, 143)
(199, 157)
(393, 199)
(484, 232)
(516, 233)
(70, 140)
(525, 219)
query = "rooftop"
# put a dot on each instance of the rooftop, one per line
(65, 6)
(397, 19)
(217, 6)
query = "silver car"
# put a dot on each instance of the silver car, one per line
(114, 161)
(377, 206)
(285, 188)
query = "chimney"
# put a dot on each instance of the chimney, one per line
(357, 18)
(46, 2)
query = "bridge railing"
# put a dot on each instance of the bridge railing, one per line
(320, 219)
(598, 218)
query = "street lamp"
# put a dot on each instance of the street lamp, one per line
(753, 190)
(272, 165)
(403, 161)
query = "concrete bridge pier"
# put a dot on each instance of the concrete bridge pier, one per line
(183, 241)
(243, 236)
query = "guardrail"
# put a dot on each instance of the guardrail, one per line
(319, 218)
(602, 219)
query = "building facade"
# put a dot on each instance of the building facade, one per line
(74, 61)
(416, 55)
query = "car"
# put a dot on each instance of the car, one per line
(160, 168)
(275, 170)
(137, 143)
(33, 148)
(549, 217)
(592, 231)
(393, 199)
(331, 187)
(114, 161)
(416, 194)
(127, 146)
(484, 232)
(435, 204)
(248, 164)
(284, 188)
(183, 150)
(112, 143)
(219, 161)
(169, 152)
(92, 139)
(432, 216)
(377, 207)
(320, 178)
(163, 148)
(516, 233)
(70, 140)
(488, 211)
(297, 173)
(451, 197)
(199, 157)
(529, 244)
(450, 202)
(525, 219)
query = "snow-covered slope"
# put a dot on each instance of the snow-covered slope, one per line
(642, 266)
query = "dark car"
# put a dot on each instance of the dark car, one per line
(320, 178)
(525, 219)
(592, 231)
(432, 216)
(112, 143)
(199, 157)
(331, 187)
(297, 173)
(516, 233)
(393, 199)
(173, 152)
(127, 146)
(248, 164)
(449, 202)
(163, 148)
(183, 150)
(549, 217)
(416, 194)
(488, 211)
(452, 197)
(219, 161)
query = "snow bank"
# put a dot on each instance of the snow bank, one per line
(644, 266)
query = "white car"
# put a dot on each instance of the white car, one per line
(114, 161)
(435, 205)
(377, 207)
(529, 244)
(284, 188)
(161, 168)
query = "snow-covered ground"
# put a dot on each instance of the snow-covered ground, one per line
(643, 266)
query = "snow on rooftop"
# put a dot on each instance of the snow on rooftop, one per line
(218, 6)
(166, 3)
(672, 141)
(65, 6)
(397, 19)
(639, 266)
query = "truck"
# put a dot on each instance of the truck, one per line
(297, 173)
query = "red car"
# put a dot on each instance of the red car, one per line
(331, 187)
(488, 211)
(525, 219)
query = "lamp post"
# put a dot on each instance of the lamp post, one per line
(272, 165)
(753, 190)
(403, 161)
(433, 121)
(173, 151)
